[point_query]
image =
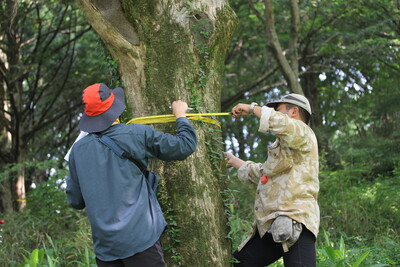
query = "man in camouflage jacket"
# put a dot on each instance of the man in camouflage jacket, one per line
(286, 209)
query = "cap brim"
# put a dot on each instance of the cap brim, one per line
(274, 104)
(93, 124)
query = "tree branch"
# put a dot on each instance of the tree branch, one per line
(286, 69)
(58, 28)
(270, 86)
(239, 95)
(60, 88)
(3, 72)
(392, 66)
(77, 36)
(112, 12)
(267, 87)
(46, 122)
(256, 12)
(233, 51)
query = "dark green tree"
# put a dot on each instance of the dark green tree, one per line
(338, 49)
(43, 69)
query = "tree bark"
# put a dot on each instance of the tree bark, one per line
(294, 37)
(168, 50)
(5, 141)
(13, 88)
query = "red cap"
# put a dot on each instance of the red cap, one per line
(98, 98)
(102, 107)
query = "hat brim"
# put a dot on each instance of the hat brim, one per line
(93, 124)
(274, 104)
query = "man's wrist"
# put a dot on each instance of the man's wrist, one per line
(181, 115)
(252, 105)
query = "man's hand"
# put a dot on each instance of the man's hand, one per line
(240, 110)
(179, 108)
(232, 161)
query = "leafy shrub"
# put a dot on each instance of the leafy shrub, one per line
(46, 257)
(329, 255)
(357, 206)
(46, 225)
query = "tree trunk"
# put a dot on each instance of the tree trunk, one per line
(168, 50)
(311, 92)
(6, 203)
(309, 83)
(12, 138)
(5, 141)
(20, 181)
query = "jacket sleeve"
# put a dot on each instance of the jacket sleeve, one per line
(166, 146)
(250, 172)
(74, 194)
(294, 133)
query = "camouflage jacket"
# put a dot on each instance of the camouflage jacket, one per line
(292, 171)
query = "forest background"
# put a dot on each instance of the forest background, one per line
(348, 66)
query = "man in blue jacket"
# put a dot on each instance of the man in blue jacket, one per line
(120, 201)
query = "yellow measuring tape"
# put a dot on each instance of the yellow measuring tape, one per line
(171, 118)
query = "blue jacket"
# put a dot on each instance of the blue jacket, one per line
(121, 205)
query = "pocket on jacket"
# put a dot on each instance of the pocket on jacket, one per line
(279, 160)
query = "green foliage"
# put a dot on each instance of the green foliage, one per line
(34, 168)
(172, 231)
(362, 206)
(47, 202)
(374, 202)
(51, 55)
(331, 256)
(35, 258)
(362, 254)
(48, 232)
(240, 227)
(50, 258)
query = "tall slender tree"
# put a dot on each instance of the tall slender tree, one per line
(37, 88)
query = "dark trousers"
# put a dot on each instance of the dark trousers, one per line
(151, 257)
(260, 252)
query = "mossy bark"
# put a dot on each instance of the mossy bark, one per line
(169, 50)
